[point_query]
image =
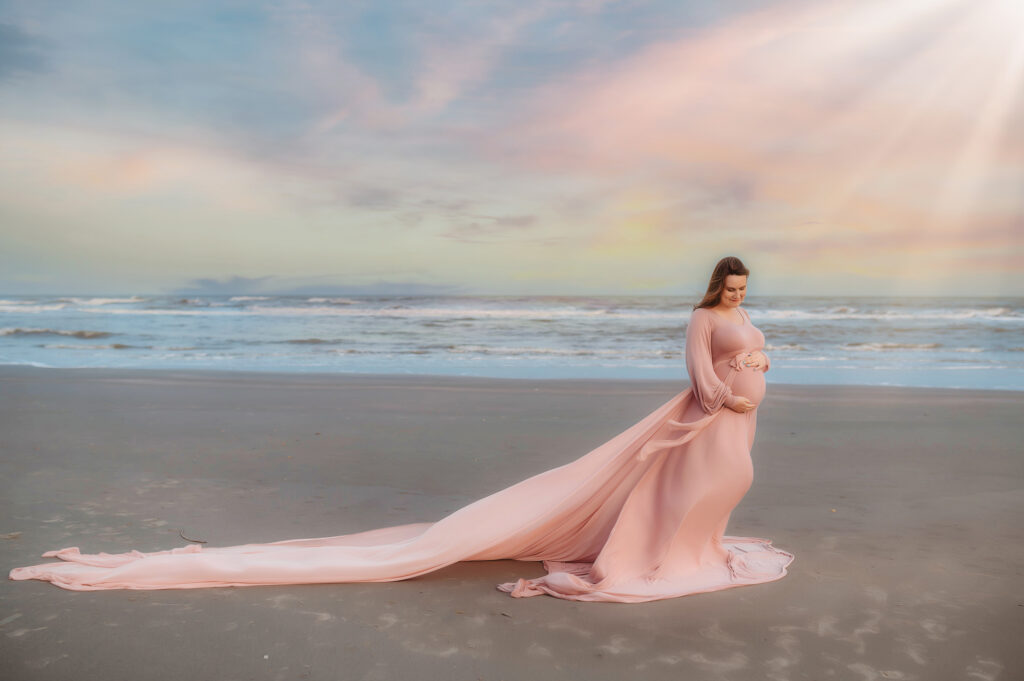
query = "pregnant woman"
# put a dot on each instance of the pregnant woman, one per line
(642, 517)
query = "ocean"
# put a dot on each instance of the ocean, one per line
(928, 342)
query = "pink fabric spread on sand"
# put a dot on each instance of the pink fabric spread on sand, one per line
(641, 517)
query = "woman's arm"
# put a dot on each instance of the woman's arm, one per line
(710, 391)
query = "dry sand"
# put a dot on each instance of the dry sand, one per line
(903, 507)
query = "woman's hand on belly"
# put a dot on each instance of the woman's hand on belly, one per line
(740, 404)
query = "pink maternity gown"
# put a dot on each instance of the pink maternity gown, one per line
(640, 518)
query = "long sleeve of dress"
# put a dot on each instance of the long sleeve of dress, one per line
(712, 393)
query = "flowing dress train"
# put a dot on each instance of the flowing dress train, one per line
(641, 517)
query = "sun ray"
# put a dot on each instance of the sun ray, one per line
(905, 121)
(976, 157)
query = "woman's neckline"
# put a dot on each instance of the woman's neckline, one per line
(743, 316)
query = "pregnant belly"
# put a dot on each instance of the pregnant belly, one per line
(749, 383)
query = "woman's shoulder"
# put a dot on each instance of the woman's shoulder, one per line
(703, 312)
(702, 315)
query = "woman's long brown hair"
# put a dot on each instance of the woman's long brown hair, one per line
(725, 267)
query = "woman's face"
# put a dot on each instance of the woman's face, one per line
(734, 290)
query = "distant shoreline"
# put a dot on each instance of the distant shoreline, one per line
(378, 379)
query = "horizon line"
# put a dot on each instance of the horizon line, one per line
(411, 294)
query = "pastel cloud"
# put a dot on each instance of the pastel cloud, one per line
(801, 105)
(522, 146)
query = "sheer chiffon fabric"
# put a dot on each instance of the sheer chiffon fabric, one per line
(639, 518)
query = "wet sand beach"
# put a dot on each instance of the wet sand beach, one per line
(903, 508)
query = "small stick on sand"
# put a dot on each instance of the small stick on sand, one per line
(194, 541)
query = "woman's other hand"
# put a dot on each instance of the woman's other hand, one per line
(740, 404)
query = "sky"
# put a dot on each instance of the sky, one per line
(839, 147)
